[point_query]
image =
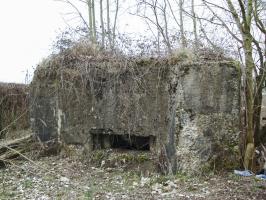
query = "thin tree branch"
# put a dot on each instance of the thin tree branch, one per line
(223, 23)
(77, 10)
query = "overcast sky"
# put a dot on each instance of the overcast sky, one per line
(28, 28)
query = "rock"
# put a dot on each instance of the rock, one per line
(135, 184)
(64, 180)
(103, 163)
(171, 184)
(144, 181)
(157, 188)
(43, 197)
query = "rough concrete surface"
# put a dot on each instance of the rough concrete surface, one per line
(189, 111)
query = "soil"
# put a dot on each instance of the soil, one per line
(67, 176)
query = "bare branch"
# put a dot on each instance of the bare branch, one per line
(223, 23)
(258, 22)
(77, 10)
(115, 20)
(172, 12)
(234, 14)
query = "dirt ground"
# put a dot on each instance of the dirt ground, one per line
(68, 177)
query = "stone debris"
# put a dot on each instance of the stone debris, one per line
(64, 180)
(70, 179)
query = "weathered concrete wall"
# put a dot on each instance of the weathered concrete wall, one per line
(263, 110)
(13, 107)
(263, 119)
(207, 116)
(70, 103)
(190, 109)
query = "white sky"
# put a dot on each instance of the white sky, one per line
(28, 28)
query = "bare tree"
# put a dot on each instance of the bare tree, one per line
(194, 19)
(108, 22)
(182, 32)
(91, 22)
(89, 4)
(249, 31)
(115, 22)
(111, 32)
(155, 13)
(102, 24)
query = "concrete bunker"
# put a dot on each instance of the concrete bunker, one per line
(185, 113)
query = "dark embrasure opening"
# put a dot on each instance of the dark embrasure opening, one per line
(126, 141)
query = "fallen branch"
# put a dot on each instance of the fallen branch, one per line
(15, 148)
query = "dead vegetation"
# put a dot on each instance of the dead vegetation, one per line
(14, 118)
(66, 176)
(11, 149)
(84, 52)
(13, 108)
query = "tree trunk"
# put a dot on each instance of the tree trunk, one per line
(108, 23)
(249, 153)
(1, 121)
(90, 20)
(182, 32)
(194, 24)
(257, 111)
(102, 24)
(169, 48)
(114, 27)
(93, 22)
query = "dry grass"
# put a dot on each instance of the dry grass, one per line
(13, 107)
(69, 178)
